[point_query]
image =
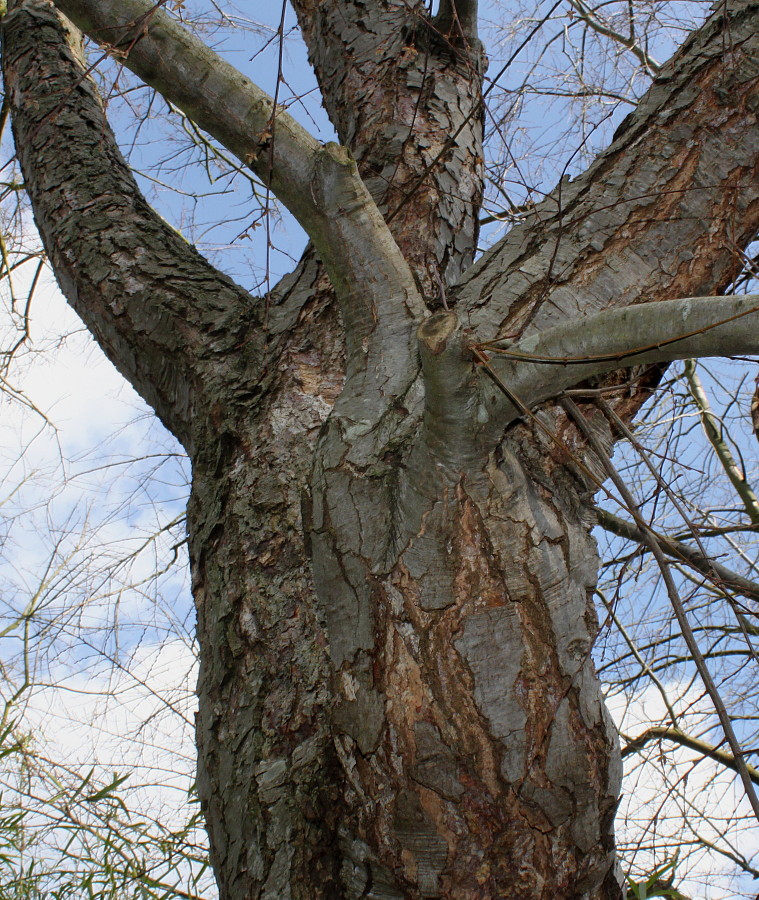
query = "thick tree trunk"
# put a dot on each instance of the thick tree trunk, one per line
(397, 698)
(457, 605)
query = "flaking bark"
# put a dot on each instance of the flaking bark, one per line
(132, 278)
(417, 135)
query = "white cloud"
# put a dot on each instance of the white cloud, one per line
(673, 797)
(76, 507)
(135, 719)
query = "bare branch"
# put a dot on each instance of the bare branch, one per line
(713, 433)
(592, 20)
(677, 605)
(543, 365)
(212, 93)
(75, 175)
(663, 732)
(598, 240)
(320, 185)
(638, 657)
(680, 551)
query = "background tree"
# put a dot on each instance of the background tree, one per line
(390, 551)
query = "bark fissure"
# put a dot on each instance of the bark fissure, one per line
(132, 278)
(663, 190)
(419, 123)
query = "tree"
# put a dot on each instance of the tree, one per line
(391, 503)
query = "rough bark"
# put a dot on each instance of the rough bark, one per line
(131, 277)
(397, 698)
(417, 130)
(662, 213)
(250, 460)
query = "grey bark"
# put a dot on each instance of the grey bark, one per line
(393, 575)
(418, 134)
(546, 363)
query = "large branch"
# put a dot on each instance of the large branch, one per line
(405, 94)
(162, 313)
(663, 212)
(320, 185)
(543, 365)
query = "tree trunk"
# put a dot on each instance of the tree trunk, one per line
(394, 591)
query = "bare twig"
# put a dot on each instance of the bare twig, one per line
(680, 551)
(593, 21)
(679, 610)
(713, 433)
(663, 732)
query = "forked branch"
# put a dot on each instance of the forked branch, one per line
(320, 185)
(457, 18)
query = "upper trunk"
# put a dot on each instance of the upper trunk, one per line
(394, 597)
(405, 94)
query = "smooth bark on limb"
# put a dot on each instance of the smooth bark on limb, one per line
(319, 185)
(543, 365)
(393, 575)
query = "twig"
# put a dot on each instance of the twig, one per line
(713, 433)
(629, 43)
(682, 552)
(664, 732)
(679, 610)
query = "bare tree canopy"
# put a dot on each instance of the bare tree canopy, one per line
(395, 451)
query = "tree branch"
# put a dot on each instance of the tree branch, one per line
(664, 732)
(319, 184)
(647, 670)
(163, 315)
(543, 365)
(677, 550)
(677, 605)
(377, 56)
(212, 93)
(654, 216)
(713, 433)
(593, 21)
(457, 17)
